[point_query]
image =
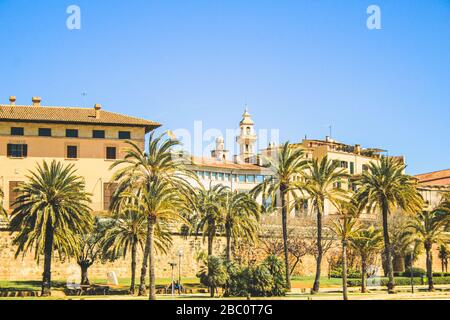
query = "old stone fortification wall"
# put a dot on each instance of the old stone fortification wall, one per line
(26, 268)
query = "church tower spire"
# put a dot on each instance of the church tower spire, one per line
(247, 138)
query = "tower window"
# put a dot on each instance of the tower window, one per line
(248, 130)
(246, 147)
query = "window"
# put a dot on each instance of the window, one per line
(352, 167)
(98, 134)
(259, 178)
(45, 132)
(214, 175)
(72, 152)
(17, 150)
(250, 178)
(108, 192)
(242, 178)
(221, 176)
(207, 175)
(124, 135)
(234, 177)
(72, 133)
(248, 131)
(200, 174)
(344, 164)
(227, 177)
(16, 131)
(111, 153)
(13, 194)
(365, 167)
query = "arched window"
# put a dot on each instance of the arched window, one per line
(246, 147)
(248, 130)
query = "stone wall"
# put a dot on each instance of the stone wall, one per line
(26, 268)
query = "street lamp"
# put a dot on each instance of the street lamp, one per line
(411, 247)
(172, 264)
(180, 254)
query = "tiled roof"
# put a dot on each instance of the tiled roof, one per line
(211, 162)
(441, 177)
(71, 115)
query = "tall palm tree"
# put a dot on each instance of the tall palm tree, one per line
(367, 242)
(427, 228)
(163, 203)
(51, 210)
(241, 218)
(139, 169)
(284, 165)
(384, 186)
(128, 233)
(345, 227)
(208, 212)
(321, 183)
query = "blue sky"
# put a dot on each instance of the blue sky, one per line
(299, 65)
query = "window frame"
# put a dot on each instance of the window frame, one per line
(124, 132)
(74, 131)
(40, 131)
(23, 150)
(101, 132)
(76, 150)
(21, 131)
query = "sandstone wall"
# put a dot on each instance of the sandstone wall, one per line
(26, 268)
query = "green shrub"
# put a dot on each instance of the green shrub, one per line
(351, 273)
(214, 273)
(441, 274)
(263, 280)
(417, 272)
(399, 281)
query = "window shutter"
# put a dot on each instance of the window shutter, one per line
(25, 150)
(9, 150)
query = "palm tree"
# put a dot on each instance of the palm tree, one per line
(163, 203)
(208, 215)
(139, 169)
(443, 255)
(285, 165)
(367, 242)
(241, 218)
(384, 186)
(2, 209)
(51, 210)
(128, 233)
(345, 228)
(322, 183)
(427, 228)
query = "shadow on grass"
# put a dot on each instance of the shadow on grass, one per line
(28, 285)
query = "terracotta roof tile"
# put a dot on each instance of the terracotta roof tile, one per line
(441, 177)
(70, 115)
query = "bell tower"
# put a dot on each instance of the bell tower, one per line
(247, 138)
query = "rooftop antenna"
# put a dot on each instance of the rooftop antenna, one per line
(330, 131)
(84, 94)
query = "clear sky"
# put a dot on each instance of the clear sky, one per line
(299, 65)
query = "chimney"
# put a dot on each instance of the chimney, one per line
(36, 101)
(357, 149)
(97, 108)
(12, 100)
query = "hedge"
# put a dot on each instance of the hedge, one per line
(398, 281)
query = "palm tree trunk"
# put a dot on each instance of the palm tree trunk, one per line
(210, 253)
(285, 236)
(48, 250)
(316, 285)
(344, 270)
(228, 236)
(142, 286)
(387, 250)
(363, 274)
(429, 266)
(151, 269)
(84, 265)
(133, 266)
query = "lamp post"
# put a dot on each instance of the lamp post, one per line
(180, 254)
(173, 264)
(411, 247)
